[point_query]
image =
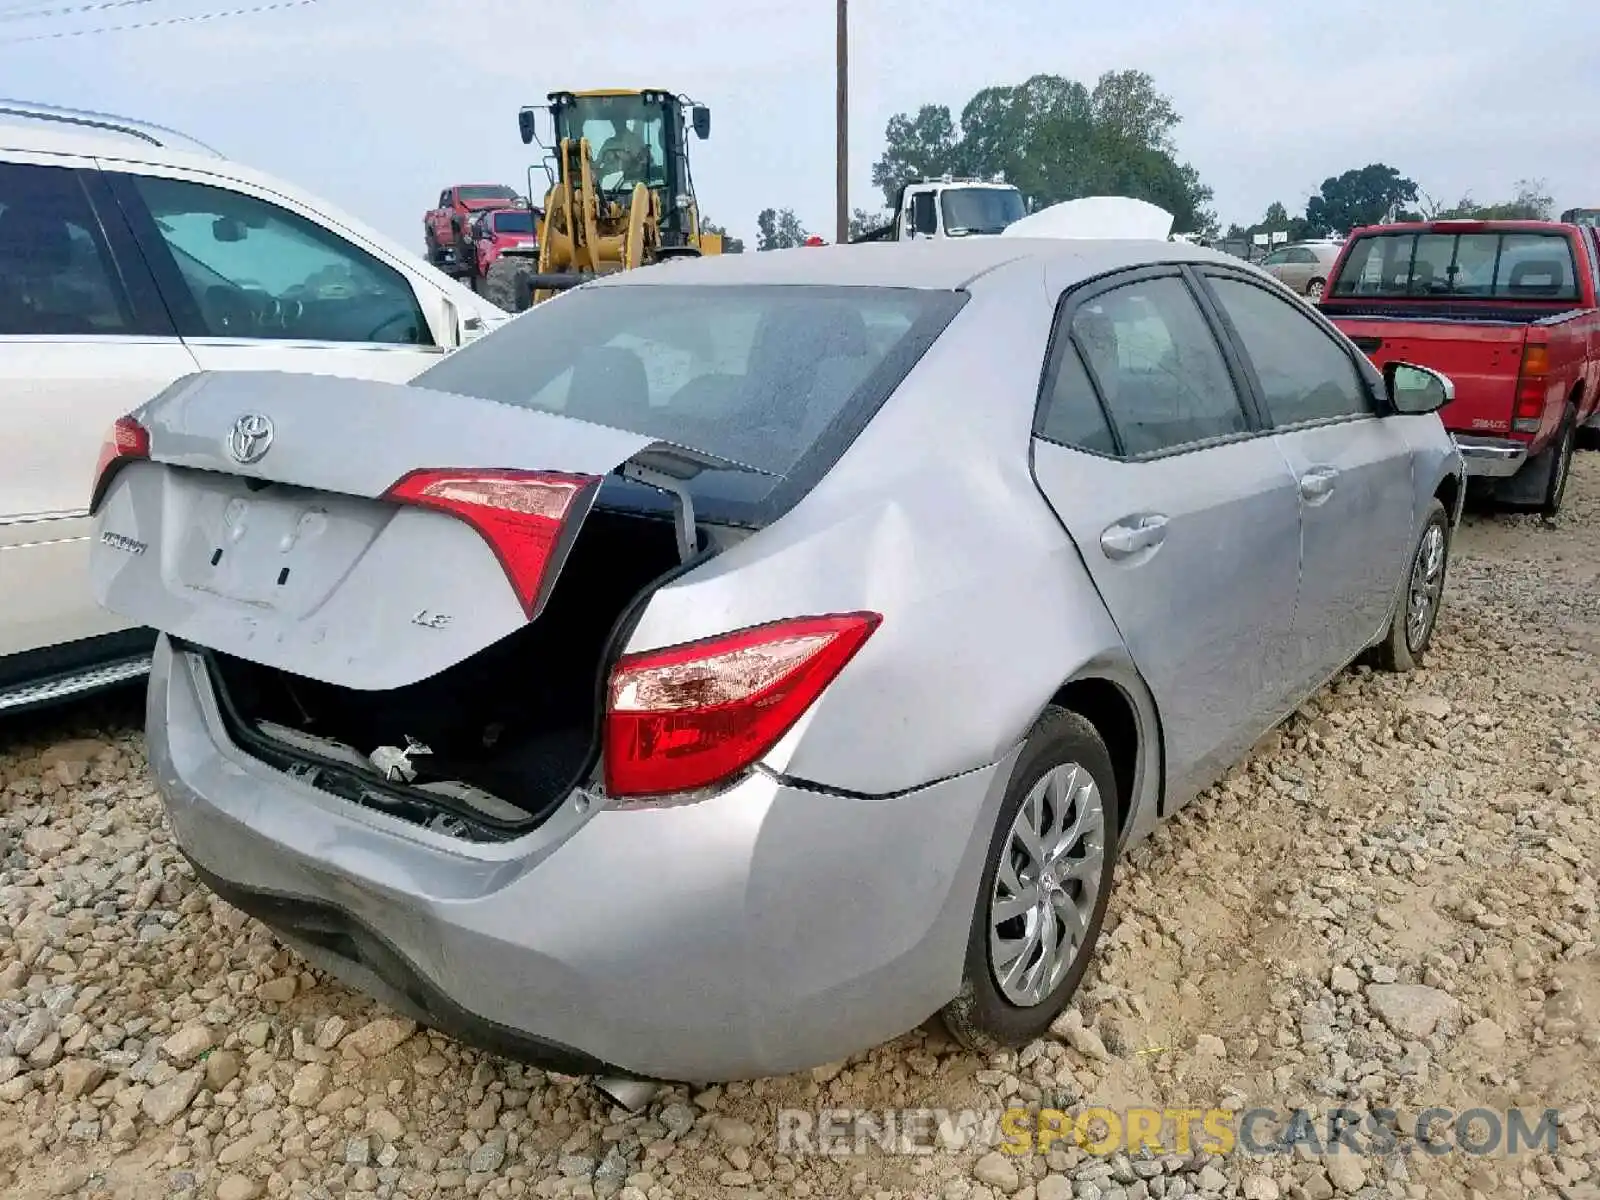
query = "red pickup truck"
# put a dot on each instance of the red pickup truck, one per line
(446, 228)
(1508, 310)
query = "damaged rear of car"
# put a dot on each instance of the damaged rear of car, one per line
(416, 597)
(396, 679)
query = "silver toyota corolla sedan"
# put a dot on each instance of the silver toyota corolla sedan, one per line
(727, 666)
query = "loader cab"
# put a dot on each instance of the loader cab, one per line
(636, 137)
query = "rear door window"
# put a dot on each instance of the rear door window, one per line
(1157, 367)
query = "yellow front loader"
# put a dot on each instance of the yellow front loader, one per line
(621, 191)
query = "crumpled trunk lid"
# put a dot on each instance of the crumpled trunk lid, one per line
(262, 522)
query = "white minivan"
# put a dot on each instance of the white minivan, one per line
(131, 256)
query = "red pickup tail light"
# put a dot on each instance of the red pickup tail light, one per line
(1533, 382)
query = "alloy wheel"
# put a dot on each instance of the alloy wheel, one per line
(1427, 584)
(1047, 883)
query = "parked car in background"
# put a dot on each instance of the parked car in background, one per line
(1303, 266)
(446, 228)
(510, 237)
(131, 256)
(712, 583)
(1506, 309)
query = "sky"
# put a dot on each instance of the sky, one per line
(377, 105)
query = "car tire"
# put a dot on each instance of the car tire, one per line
(500, 283)
(1588, 436)
(1314, 290)
(1555, 492)
(1063, 777)
(1407, 640)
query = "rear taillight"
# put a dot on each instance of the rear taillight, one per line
(126, 441)
(692, 716)
(1533, 382)
(521, 514)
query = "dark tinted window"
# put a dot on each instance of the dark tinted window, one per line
(259, 271)
(753, 374)
(513, 222)
(1072, 414)
(56, 271)
(1160, 371)
(1504, 266)
(1304, 374)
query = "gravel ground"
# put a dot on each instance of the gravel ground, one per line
(1391, 905)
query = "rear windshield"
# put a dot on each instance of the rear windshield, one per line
(778, 378)
(513, 222)
(1501, 266)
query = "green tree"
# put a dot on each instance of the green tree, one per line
(1532, 202)
(730, 244)
(863, 222)
(779, 229)
(1361, 196)
(914, 147)
(1055, 139)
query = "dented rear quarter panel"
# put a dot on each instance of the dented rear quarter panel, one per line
(933, 519)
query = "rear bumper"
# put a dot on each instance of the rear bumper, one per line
(1491, 458)
(762, 931)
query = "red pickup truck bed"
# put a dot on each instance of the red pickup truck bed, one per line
(1508, 310)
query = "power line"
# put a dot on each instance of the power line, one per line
(192, 18)
(10, 14)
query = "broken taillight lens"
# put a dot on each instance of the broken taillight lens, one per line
(688, 717)
(521, 514)
(126, 441)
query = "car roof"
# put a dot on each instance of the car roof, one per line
(936, 263)
(46, 128)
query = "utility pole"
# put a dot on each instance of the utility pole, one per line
(842, 128)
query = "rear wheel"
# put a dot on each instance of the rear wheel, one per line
(1314, 290)
(1416, 614)
(1044, 889)
(1561, 468)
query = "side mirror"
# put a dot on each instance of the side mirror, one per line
(525, 126)
(1416, 391)
(924, 217)
(227, 229)
(700, 117)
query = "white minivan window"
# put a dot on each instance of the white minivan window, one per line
(257, 270)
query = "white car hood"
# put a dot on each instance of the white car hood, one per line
(1095, 217)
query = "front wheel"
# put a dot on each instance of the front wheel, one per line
(1417, 613)
(1314, 290)
(1044, 889)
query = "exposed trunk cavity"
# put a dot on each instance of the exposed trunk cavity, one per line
(508, 733)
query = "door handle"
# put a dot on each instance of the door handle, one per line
(1128, 537)
(1317, 483)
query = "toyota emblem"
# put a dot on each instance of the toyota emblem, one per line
(251, 438)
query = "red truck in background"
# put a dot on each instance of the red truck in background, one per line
(1508, 310)
(446, 229)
